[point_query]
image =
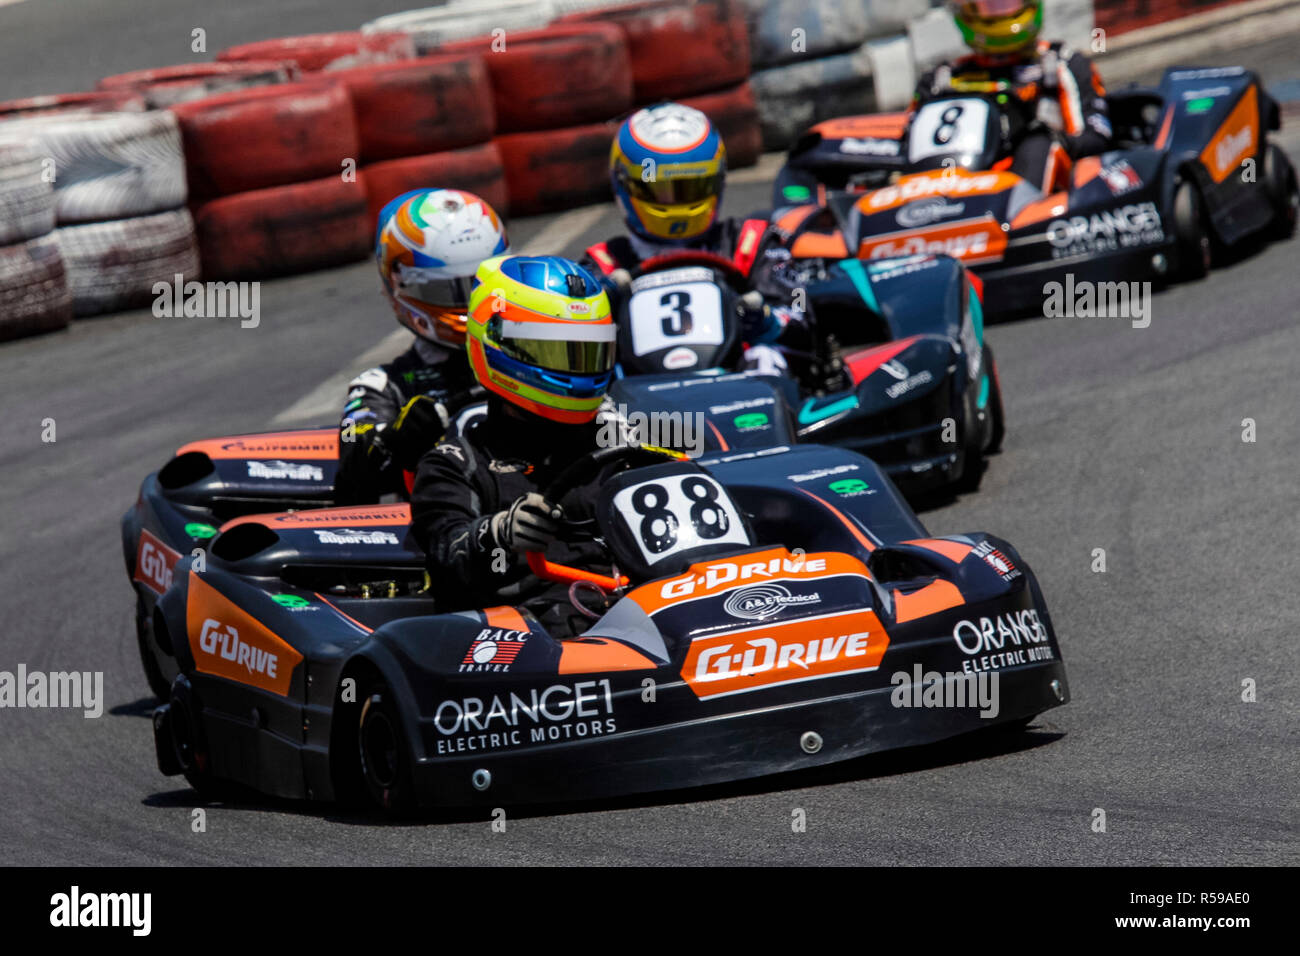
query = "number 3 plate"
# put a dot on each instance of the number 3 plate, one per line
(668, 310)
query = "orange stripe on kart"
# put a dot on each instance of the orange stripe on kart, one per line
(1046, 208)
(591, 655)
(308, 443)
(1086, 170)
(1166, 124)
(844, 520)
(952, 550)
(1235, 140)
(931, 599)
(228, 642)
(505, 618)
(972, 241)
(954, 183)
(875, 125)
(364, 516)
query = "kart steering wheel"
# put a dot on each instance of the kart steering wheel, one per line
(735, 276)
(582, 470)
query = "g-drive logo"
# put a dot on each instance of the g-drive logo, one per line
(222, 640)
(76, 909)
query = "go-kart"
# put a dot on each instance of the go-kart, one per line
(895, 365)
(1193, 171)
(762, 611)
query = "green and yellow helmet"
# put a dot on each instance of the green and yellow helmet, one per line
(998, 26)
(539, 334)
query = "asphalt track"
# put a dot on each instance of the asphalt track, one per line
(1120, 438)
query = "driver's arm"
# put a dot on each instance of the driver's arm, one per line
(1084, 113)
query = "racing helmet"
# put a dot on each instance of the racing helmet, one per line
(427, 245)
(998, 26)
(667, 167)
(541, 336)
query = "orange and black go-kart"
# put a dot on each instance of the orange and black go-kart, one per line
(763, 611)
(212, 481)
(893, 363)
(1193, 171)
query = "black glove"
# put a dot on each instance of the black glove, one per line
(529, 524)
(420, 424)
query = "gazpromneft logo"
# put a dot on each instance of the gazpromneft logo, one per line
(738, 662)
(154, 563)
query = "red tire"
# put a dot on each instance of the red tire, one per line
(283, 230)
(116, 101)
(679, 47)
(321, 51)
(476, 169)
(424, 106)
(167, 85)
(735, 114)
(272, 136)
(560, 76)
(558, 168)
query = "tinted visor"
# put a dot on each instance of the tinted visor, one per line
(990, 9)
(673, 192)
(446, 293)
(576, 349)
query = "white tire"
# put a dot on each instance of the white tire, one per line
(34, 293)
(114, 265)
(26, 196)
(434, 26)
(110, 165)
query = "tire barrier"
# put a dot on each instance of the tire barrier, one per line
(432, 27)
(679, 47)
(34, 296)
(477, 169)
(793, 97)
(325, 51)
(270, 136)
(107, 101)
(556, 168)
(168, 85)
(26, 196)
(422, 106)
(109, 165)
(284, 229)
(735, 113)
(114, 265)
(561, 76)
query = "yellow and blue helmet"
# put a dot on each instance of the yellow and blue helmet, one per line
(668, 166)
(540, 335)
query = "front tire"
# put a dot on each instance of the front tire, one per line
(999, 422)
(1280, 179)
(382, 751)
(1191, 237)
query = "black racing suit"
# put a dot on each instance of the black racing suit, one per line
(1056, 86)
(462, 482)
(367, 468)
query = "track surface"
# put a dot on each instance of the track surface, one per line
(1120, 438)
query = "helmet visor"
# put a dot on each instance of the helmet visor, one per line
(421, 286)
(575, 349)
(673, 191)
(990, 9)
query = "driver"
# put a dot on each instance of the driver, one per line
(541, 341)
(428, 244)
(668, 167)
(1060, 89)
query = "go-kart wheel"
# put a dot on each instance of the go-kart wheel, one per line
(1280, 180)
(152, 672)
(1191, 237)
(998, 430)
(190, 743)
(972, 465)
(382, 751)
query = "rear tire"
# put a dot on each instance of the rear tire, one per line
(152, 672)
(190, 744)
(972, 466)
(382, 751)
(1191, 237)
(1280, 180)
(999, 423)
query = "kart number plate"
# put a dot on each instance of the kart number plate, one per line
(667, 315)
(677, 513)
(948, 128)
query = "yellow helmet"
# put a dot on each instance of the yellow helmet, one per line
(998, 26)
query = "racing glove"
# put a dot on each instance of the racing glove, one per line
(417, 428)
(529, 524)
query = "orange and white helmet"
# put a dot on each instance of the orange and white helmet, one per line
(428, 245)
